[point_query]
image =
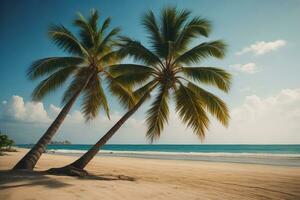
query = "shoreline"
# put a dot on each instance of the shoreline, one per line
(290, 160)
(136, 178)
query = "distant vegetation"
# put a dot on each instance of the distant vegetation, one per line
(6, 143)
(60, 142)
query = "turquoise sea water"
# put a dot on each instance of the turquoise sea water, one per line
(265, 149)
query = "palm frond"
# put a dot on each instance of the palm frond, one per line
(78, 82)
(52, 82)
(94, 98)
(181, 17)
(86, 32)
(123, 93)
(130, 74)
(138, 52)
(133, 79)
(167, 18)
(214, 104)
(105, 25)
(198, 53)
(110, 58)
(93, 20)
(64, 39)
(209, 75)
(147, 88)
(172, 21)
(108, 39)
(195, 27)
(158, 114)
(191, 110)
(156, 40)
(123, 69)
(45, 66)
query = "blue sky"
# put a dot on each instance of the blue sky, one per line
(266, 74)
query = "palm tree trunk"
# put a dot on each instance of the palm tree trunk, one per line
(76, 168)
(30, 159)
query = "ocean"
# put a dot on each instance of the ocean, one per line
(288, 155)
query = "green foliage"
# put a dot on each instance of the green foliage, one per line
(129, 74)
(195, 27)
(107, 40)
(51, 83)
(86, 32)
(105, 25)
(124, 69)
(46, 66)
(92, 51)
(198, 53)
(163, 66)
(138, 52)
(64, 39)
(78, 81)
(147, 88)
(191, 110)
(150, 24)
(209, 75)
(124, 94)
(212, 103)
(170, 37)
(5, 141)
(94, 98)
(158, 113)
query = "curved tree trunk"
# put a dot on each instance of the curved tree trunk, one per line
(30, 159)
(76, 168)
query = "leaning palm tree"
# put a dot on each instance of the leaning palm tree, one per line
(164, 67)
(91, 53)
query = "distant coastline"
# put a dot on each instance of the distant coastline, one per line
(65, 142)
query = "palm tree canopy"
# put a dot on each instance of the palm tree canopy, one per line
(91, 51)
(165, 66)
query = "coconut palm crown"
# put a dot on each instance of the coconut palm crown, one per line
(91, 54)
(164, 66)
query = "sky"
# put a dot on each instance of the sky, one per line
(263, 57)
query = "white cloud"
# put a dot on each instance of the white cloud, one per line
(264, 120)
(17, 110)
(249, 68)
(273, 119)
(262, 47)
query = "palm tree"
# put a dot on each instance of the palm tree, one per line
(91, 54)
(164, 67)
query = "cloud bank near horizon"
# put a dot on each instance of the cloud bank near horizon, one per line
(262, 120)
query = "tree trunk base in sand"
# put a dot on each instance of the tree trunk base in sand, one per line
(68, 171)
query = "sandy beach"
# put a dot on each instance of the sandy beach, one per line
(137, 178)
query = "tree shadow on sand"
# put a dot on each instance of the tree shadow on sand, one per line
(14, 179)
(100, 177)
(108, 177)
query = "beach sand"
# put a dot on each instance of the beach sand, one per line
(137, 179)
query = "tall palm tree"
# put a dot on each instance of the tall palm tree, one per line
(90, 55)
(164, 67)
